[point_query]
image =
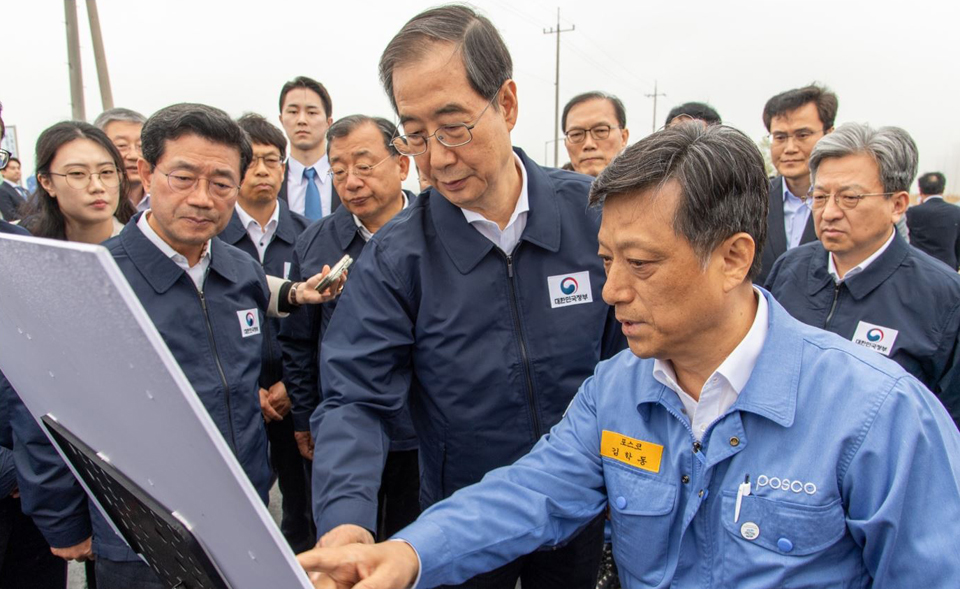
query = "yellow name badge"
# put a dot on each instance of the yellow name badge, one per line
(645, 455)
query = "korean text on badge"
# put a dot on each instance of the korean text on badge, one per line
(644, 455)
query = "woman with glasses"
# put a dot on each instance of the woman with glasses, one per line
(80, 177)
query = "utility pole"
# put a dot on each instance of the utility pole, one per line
(73, 56)
(103, 76)
(654, 96)
(556, 122)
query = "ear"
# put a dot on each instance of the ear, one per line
(508, 103)
(828, 131)
(404, 167)
(735, 256)
(47, 184)
(901, 201)
(625, 133)
(146, 175)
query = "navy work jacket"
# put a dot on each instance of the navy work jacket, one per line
(277, 261)
(491, 347)
(203, 333)
(904, 305)
(324, 243)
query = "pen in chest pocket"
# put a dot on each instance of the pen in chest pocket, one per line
(742, 492)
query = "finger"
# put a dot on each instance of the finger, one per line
(319, 560)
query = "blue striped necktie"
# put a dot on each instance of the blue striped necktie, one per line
(312, 209)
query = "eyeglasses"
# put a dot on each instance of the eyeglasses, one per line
(339, 174)
(599, 133)
(80, 179)
(800, 136)
(185, 182)
(448, 135)
(844, 201)
(4, 158)
(271, 161)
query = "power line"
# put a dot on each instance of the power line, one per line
(556, 122)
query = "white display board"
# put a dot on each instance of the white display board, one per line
(76, 344)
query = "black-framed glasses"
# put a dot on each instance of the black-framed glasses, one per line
(455, 135)
(80, 179)
(599, 133)
(339, 173)
(271, 161)
(800, 136)
(844, 201)
(185, 182)
(4, 158)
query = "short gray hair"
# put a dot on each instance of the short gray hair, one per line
(723, 184)
(347, 125)
(891, 147)
(485, 55)
(118, 114)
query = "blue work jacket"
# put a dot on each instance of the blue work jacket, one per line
(277, 261)
(204, 335)
(905, 304)
(854, 469)
(324, 243)
(491, 347)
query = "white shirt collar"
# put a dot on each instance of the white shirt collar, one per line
(725, 384)
(365, 233)
(117, 227)
(508, 238)
(144, 203)
(246, 219)
(197, 272)
(832, 267)
(926, 198)
(322, 166)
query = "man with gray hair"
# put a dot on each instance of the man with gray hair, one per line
(480, 303)
(736, 446)
(861, 280)
(123, 127)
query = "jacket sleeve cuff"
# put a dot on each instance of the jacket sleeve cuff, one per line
(429, 542)
(68, 532)
(348, 511)
(301, 420)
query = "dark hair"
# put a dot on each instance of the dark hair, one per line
(791, 100)
(13, 158)
(41, 213)
(210, 123)
(724, 188)
(261, 131)
(696, 110)
(617, 104)
(485, 56)
(309, 84)
(347, 125)
(930, 183)
(3, 128)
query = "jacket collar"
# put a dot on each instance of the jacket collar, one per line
(235, 231)
(159, 270)
(345, 228)
(771, 391)
(863, 283)
(467, 247)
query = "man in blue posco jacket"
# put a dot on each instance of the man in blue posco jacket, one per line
(735, 445)
(265, 227)
(861, 280)
(482, 300)
(368, 175)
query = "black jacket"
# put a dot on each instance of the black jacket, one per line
(776, 242)
(10, 201)
(935, 229)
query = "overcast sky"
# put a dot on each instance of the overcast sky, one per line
(891, 63)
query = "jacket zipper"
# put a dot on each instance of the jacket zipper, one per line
(833, 307)
(524, 357)
(223, 376)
